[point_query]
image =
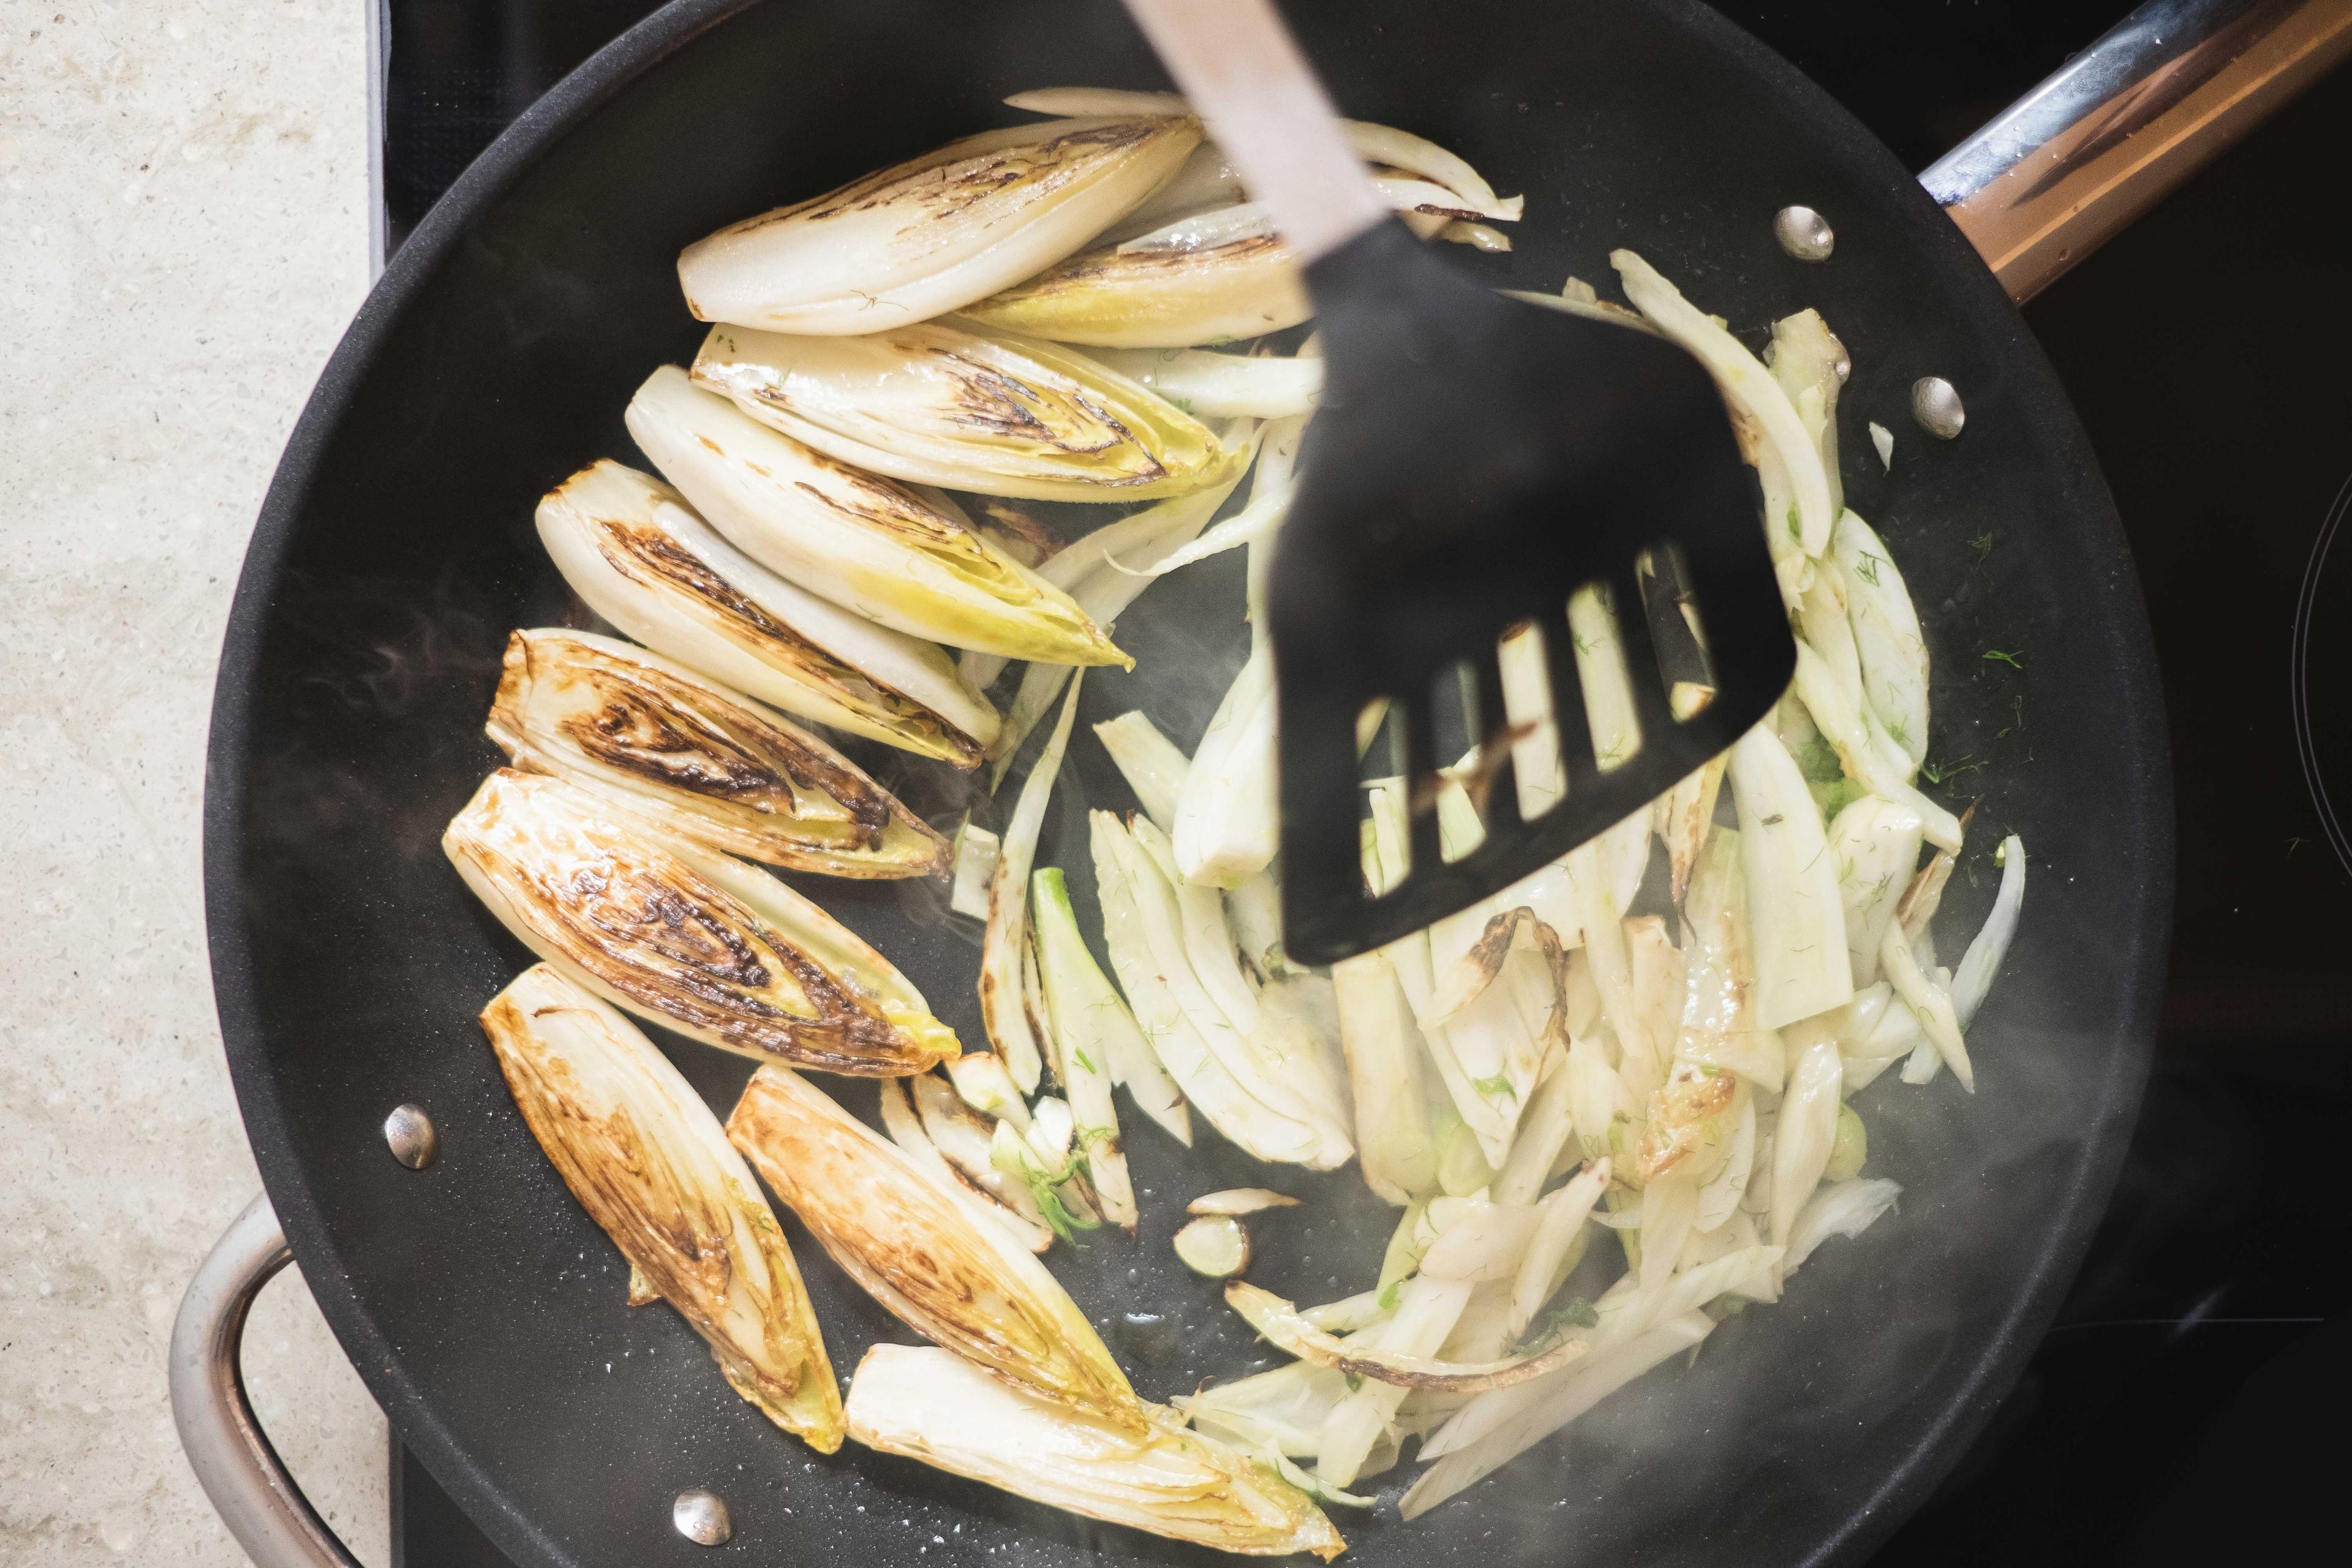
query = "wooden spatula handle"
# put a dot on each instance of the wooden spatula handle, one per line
(1263, 102)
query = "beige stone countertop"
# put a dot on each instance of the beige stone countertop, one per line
(184, 231)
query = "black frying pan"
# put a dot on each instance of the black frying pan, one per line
(395, 550)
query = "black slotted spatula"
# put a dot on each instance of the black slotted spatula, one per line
(1476, 462)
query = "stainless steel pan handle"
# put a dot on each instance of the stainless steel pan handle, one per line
(226, 1445)
(2123, 124)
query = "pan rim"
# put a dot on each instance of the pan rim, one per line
(1971, 293)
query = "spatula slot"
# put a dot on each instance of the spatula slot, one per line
(1523, 664)
(1387, 844)
(1604, 669)
(1676, 630)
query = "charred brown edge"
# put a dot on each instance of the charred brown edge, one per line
(652, 550)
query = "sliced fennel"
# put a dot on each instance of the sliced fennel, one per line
(1228, 822)
(1877, 845)
(1219, 385)
(1093, 1030)
(1153, 764)
(1771, 433)
(1795, 914)
(1098, 1032)
(1144, 931)
(1006, 938)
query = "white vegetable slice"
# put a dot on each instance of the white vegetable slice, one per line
(966, 1140)
(976, 853)
(1544, 1131)
(1972, 982)
(1685, 816)
(968, 1287)
(1240, 1201)
(1771, 435)
(1887, 636)
(931, 1405)
(1555, 1245)
(1807, 1128)
(1287, 1405)
(1099, 1036)
(1877, 845)
(1103, 592)
(1383, 1044)
(1718, 1199)
(1522, 1418)
(1808, 363)
(1353, 1433)
(1227, 821)
(1153, 764)
(629, 546)
(1858, 749)
(1252, 526)
(1718, 1023)
(1082, 1013)
(1254, 909)
(1214, 1244)
(1220, 385)
(1931, 1002)
(986, 1084)
(1146, 950)
(1842, 1208)
(1008, 909)
(1222, 1008)
(1282, 1326)
(1883, 439)
(652, 1166)
(1482, 1243)
(1795, 915)
(1373, 143)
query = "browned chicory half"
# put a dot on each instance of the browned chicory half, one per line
(699, 943)
(643, 559)
(651, 1164)
(1172, 1481)
(967, 1284)
(654, 739)
(936, 232)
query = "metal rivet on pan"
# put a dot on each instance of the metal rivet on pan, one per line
(1935, 405)
(1803, 233)
(410, 1132)
(701, 1518)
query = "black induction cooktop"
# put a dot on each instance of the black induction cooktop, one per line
(2188, 1405)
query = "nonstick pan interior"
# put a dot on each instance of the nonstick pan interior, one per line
(396, 551)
